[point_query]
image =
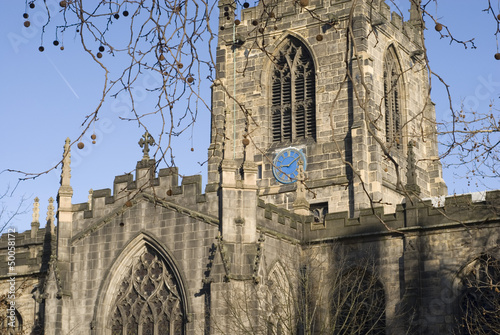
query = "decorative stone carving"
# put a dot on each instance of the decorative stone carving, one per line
(148, 300)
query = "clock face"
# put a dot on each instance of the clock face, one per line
(286, 165)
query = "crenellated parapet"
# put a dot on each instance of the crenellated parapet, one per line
(280, 222)
(270, 18)
(164, 186)
(32, 248)
(456, 211)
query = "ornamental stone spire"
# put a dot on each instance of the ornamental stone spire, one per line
(50, 216)
(35, 223)
(411, 172)
(36, 211)
(66, 188)
(301, 205)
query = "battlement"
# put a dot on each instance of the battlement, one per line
(23, 239)
(454, 211)
(31, 253)
(262, 20)
(125, 187)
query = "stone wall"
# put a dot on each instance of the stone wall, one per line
(342, 137)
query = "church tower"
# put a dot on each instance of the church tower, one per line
(336, 89)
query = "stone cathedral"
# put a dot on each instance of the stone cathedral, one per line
(325, 211)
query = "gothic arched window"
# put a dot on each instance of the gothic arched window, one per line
(149, 301)
(358, 304)
(281, 306)
(293, 106)
(392, 99)
(480, 300)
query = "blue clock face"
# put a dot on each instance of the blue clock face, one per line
(286, 165)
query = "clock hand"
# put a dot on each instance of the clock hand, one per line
(291, 162)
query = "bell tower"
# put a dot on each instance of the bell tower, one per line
(335, 89)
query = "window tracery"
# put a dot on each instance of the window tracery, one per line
(392, 99)
(293, 107)
(148, 301)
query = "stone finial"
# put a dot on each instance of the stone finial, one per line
(91, 192)
(146, 141)
(66, 162)
(36, 211)
(35, 224)
(301, 205)
(411, 172)
(50, 216)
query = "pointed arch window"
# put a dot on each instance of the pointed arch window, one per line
(293, 105)
(148, 301)
(281, 305)
(392, 99)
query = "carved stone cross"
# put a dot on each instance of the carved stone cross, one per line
(145, 142)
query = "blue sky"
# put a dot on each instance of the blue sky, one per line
(46, 95)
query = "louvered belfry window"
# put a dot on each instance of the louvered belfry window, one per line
(293, 93)
(392, 99)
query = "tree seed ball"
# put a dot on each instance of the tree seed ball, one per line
(99, 55)
(246, 5)
(41, 48)
(438, 27)
(304, 3)
(237, 22)
(319, 37)
(27, 24)
(32, 5)
(101, 48)
(93, 136)
(26, 15)
(190, 80)
(56, 42)
(116, 16)
(497, 56)
(246, 141)
(63, 3)
(125, 13)
(255, 22)
(80, 145)
(180, 65)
